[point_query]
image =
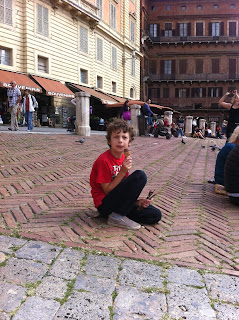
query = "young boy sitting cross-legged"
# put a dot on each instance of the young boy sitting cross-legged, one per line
(115, 192)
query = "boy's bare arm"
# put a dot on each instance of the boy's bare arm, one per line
(225, 104)
(107, 187)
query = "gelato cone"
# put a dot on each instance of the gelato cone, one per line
(127, 153)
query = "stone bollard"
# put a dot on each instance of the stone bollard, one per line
(83, 114)
(169, 114)
(202, 123)
(213, 128)
(188, 126)
(135, 112)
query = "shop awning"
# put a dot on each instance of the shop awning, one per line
(23, 81)
(104, 98)
(140, 103)
(54, 88)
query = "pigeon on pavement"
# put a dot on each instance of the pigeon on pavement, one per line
(81, 140)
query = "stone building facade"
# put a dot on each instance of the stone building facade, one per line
(92, 43)
(191, 54)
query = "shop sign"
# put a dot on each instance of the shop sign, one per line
(20, 87)
(57, 94)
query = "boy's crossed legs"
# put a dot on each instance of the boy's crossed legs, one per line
(119, 205)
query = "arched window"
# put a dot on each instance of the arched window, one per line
(131, 92)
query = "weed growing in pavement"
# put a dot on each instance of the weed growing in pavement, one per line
(15, 248)
(111, 312)
(64, 223)
(156, 290)
(166, 316)
(83, 263)
(31, 288)
(70, 286)
(114, 295)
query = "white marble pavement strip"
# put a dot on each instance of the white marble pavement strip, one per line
(45, 282)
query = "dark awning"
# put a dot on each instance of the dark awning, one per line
(103, 97)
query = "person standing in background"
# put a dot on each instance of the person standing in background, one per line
(13, 99)
(29, 105)
(233, 108)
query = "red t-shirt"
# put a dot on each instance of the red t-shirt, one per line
(104, 170)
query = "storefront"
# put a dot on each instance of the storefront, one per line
(23, 82)
(54, 103)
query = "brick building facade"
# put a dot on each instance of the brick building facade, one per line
(191, 51)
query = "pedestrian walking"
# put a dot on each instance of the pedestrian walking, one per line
(29, 106)
(13, 99)
(116, 192)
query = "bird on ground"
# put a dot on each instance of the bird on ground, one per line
(81, 140)
(183, 141)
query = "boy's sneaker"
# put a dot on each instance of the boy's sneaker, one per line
(117, 220)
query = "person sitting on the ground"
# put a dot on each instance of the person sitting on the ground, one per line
(116, 192)
(198, 133)
(231, 175)
(221, 160)
(176, 132)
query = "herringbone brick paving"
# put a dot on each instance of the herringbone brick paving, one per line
(45, 195)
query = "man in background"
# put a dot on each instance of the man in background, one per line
(13, 99)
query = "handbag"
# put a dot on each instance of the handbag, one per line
(126, 115)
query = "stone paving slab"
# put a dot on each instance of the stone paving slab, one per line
(125, 290)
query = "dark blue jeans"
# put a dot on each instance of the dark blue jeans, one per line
(122, 200)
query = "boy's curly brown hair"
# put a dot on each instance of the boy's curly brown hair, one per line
(119, 125)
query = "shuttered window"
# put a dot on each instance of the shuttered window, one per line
(215, 29)
(166, 92)
(83, 39)
(232, 68)
(198, 66)
(99, 6)
(232, 29)
(199, 29)
(99, 82)
(152, 66)
(182, 66)
(4, 56)
(167, 67)
(99, 49)
(214, 92)
(114, 57)
(133, 67)
(113, 86)
(42, 20)
(83, 76)
(154, 30)
(215, 65)
(183, 29)
(132, 31)
(198, 92)
(42, 64)
(112, 16)
(168, 32)
(6, 11)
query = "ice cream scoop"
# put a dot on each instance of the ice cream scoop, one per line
(127, 153)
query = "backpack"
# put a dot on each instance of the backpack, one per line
(34, 101)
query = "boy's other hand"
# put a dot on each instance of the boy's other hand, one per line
(127, 164)
(143, 203)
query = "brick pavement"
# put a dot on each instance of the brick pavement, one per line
(45, 195)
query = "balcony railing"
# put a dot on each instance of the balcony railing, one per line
(193, 77)
(174, 39)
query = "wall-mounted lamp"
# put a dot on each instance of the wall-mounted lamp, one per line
(131, 58)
